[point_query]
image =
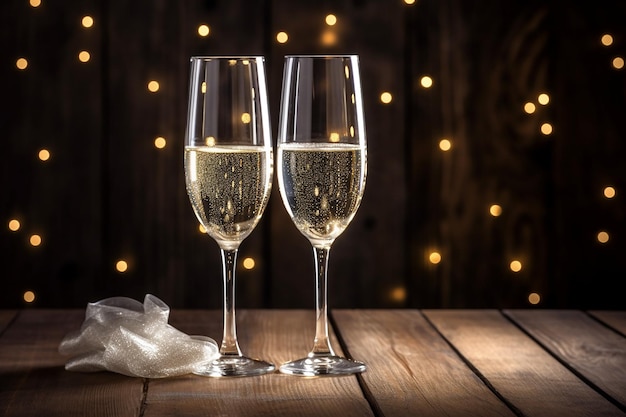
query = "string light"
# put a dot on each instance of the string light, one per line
(21, 63)
(121, 266)
(29, 296)
(426, 81)
(44, 155)
(84, 56)
(495, 210)
(35, 240)
(248, 263)
(515, 265)
(331, 20)
(386, 97)
(543, 99)
(618, 62)
(14, 225)
(434, 257)
(160, 142)
(534, 298)
(546, 129)
(282, 37)
(602, 236)
(203, 30)
(529, 108)
(87, 21)
(609, 192)
(607, 40)
(445, 145)
(153, 86)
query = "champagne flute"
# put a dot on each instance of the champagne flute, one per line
(228, 174)
(322, 164)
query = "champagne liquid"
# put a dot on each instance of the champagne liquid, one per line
(228, 187)
(321, 186)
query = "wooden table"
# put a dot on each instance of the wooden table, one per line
(421, 363)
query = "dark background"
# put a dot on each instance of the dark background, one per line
(107, 193)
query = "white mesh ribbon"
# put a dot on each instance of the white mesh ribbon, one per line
(122, 335)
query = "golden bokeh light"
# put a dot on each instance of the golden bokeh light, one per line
(534, 298)
(515, 265)
(246, 118)
(201, 228)
(121, 266)
(398, 294)
(204, 30)
(35, 240)
(21, 63)
(602, 236)
(409, 2)
(160, 142)
(546, 129)
(331, 20)
(543, 99)
(153, 86)
(609, 192)
(282, 37)
(618, 62)
(495, 210)
(87, 21)
(248, 263)
(29, 296)
(445, 145)
(210, 141)
(329, 38)
(14, 225)
(426, 81)
(44, 154)
(334, 137)
(35, 3)
(606, 39)
(434, 257)
(386, 97)
(84, 56)
(529, 108)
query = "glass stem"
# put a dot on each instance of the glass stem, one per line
(321, 345)
(229, 339)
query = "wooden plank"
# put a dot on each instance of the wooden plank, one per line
(527, 376)
(411, 369)
(33, 380)
(277, 336)
(6, 316)
(591, 349)
(613, 318)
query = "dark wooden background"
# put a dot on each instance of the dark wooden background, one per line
(107, 193)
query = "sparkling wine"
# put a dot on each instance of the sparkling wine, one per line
(229, 187)
(322, 185)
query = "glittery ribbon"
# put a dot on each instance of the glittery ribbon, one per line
(122, 335)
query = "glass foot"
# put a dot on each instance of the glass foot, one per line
(235, 366)
(322, 365)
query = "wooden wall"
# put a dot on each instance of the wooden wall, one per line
(107, 193)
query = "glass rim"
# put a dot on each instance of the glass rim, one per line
(237, 57)
(326, 56)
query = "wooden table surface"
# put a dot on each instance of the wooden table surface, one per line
(421, 363)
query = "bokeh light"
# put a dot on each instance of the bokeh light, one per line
(204, 30)
(386, 97)
(331, 20)
(21, 63)
(529, 108)
(282, 37)
(534, 298)
(495, 210)
(515, 265)
(543, 99)
(14, 225)
(434, 257)
(609, 192)
(153, 86)
(248, 263)
(160, 142)
(426, 81)
(546, 129)
(445, 145)
(29, 296)
(87, 21)
(603, 236)
(618, 62)
(44, 155)
(606, 39)
(84, 56)
(121, 266)
(35, 240)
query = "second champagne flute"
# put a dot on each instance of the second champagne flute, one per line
(322, 164)
(228, 173)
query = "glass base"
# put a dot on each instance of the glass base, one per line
(235, 366)
(322, 365)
